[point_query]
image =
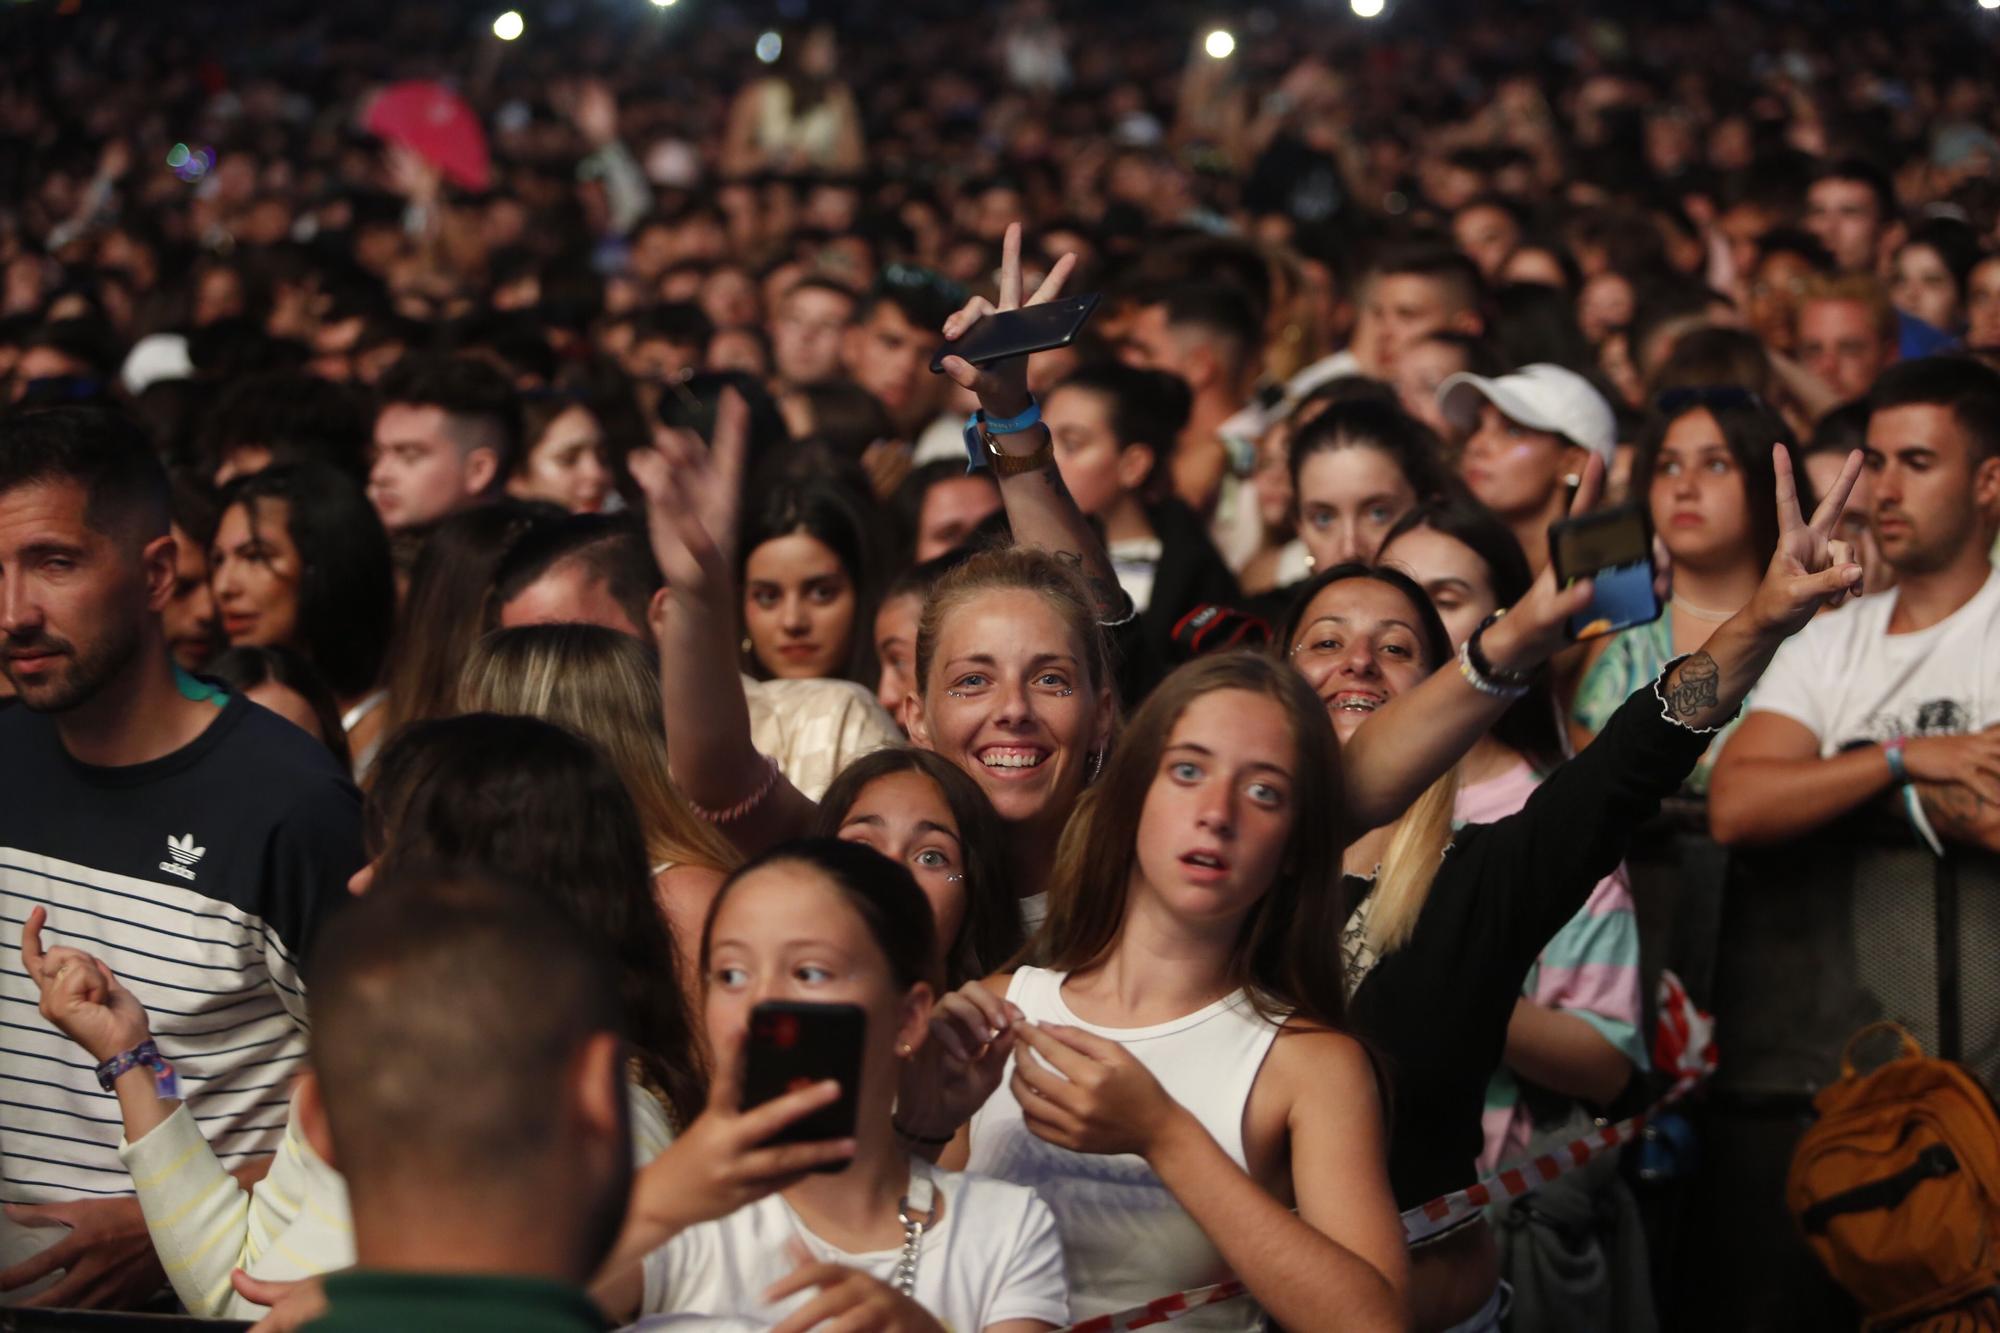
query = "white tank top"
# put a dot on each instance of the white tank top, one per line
(1126, 1239)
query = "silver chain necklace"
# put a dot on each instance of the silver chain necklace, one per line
(917, 1212)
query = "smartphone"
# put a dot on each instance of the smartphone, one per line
(1034, 328)
(1614, 549)
(795, 1045)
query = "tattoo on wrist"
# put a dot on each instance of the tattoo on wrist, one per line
(1694, 689)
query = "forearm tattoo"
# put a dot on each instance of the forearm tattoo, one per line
(1105, 592)
(1694, 688)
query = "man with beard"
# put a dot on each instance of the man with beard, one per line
(1902, 688)
(190, 839)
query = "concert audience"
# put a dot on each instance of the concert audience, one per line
(545, 431)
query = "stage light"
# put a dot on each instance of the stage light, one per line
(662, 4)
(509, 25)
(1367, 9)
(1220, 44)
(769, 47)
(1989, 4)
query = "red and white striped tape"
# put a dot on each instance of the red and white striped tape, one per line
(1683, 1045)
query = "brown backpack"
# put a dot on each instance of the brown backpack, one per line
(1897, 1188)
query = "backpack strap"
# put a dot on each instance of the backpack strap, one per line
(1934, 1161)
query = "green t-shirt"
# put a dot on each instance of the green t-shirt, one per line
(374, 1302)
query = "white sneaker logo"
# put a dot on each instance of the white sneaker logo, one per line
(182, 855)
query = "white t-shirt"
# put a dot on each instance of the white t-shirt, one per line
(1849, 681)
(994, 1256)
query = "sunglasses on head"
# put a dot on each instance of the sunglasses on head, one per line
(1724, 396)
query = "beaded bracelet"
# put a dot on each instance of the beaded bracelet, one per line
(1475, 653)
(1480, 681)
(747, 804)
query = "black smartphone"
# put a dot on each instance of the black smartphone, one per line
(1614, 549)
(794, 1045)
(1034, 328)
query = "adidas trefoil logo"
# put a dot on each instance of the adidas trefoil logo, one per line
(182, 855)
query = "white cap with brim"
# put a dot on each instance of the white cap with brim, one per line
(1540, 397)
(154, 358)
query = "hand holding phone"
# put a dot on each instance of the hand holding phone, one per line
(1010, 333)
(1614, 550)
(795, 1045)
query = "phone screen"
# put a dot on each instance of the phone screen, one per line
(794, 1045)
(1035, 328)
(1614, 550)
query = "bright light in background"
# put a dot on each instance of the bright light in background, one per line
(662, 4)
(1989, 4)
(1219, 44)
(769, 47)
(509, 25)
(1367, 9)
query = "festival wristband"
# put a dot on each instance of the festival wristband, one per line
(145, 1055)
(1892, 750)
(980, 451)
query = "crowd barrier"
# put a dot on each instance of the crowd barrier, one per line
(1793, 948)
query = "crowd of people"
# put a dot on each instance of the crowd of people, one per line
(485, 607)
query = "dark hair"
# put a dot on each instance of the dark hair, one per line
(846, 417)
(883, 894)
(103, 451)
(1968, 388)
(1711, 355)
(1794, 241)
(1956, 244)
(539, 410)
(1861, 172)
(1529, 727)
(990, 934)
(1385, 426)
(678, 323)
(1536, 323)
(524, 798)
(1840, 431)
(445, 610)
(1464, 287)
(300, 418)
(448, 1005)
(1148, 407)
(1480, 356)
(840, 520)
(347, 588)
(1430, 626)
(465, 387)
(1749, 427)
(815, 282)
(907, 504)
(923, 297)
(244, 669)
(691, 404)
(1221, 310)
(612, 547)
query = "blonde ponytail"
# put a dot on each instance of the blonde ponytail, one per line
(1409, 864)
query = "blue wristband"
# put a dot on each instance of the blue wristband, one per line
(975, 448)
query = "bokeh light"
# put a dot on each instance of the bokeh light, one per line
(769, 47)
(1219, 44)
(509, 25)
(1367, 9)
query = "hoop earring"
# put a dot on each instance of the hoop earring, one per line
(1096, 765)
(903, 1051)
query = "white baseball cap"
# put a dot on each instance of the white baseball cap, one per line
(1540, 397)
(156, 357)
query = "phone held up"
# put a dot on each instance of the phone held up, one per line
(1614, 549)
(794, 1045)
(1011, 333)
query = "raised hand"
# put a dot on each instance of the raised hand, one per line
(1537, 627)
(80, 997)
(960, 1064)
(720, 1163)
(693, 492)
(1810, 569)
(1002, 387)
